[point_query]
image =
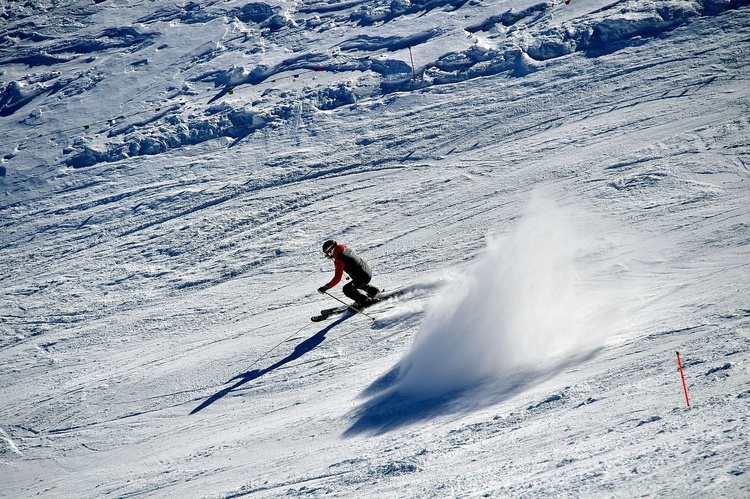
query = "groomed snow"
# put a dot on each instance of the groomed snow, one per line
(563, 189)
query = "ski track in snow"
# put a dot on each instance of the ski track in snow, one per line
(167, 183)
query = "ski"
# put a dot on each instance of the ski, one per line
(328, 312)
(325, 313)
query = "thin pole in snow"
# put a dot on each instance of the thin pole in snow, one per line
(413, 71)
(682, 375)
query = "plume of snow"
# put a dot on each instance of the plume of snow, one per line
(522, 304)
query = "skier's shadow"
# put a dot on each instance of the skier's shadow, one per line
(306, 346)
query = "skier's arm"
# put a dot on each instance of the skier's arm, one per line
(339, 273)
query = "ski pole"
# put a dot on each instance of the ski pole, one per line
(350, 307)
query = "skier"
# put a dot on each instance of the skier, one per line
(346, 260)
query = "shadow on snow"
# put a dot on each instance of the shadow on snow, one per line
(306, 346)
(390, 409)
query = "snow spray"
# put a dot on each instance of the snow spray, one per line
(521, 305)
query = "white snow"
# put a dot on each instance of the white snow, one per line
(563, 189)
(523, 304)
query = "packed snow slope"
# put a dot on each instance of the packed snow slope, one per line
(563, 190)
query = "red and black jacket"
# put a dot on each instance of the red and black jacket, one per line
(346, 260)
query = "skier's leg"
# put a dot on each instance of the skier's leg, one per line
(370, 290)
(352, 292)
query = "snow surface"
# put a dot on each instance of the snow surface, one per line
(564, 189)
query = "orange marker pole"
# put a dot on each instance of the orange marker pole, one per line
(682, 375)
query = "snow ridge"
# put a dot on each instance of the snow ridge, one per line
(364, 66)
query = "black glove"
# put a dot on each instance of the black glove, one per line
(323, 289)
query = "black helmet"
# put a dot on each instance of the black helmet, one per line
(329, 246)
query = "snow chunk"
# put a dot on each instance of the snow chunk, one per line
(7, 446)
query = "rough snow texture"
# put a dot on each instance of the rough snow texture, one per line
(563, 187)
(516, 42)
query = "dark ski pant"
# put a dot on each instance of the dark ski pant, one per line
(352, 290)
